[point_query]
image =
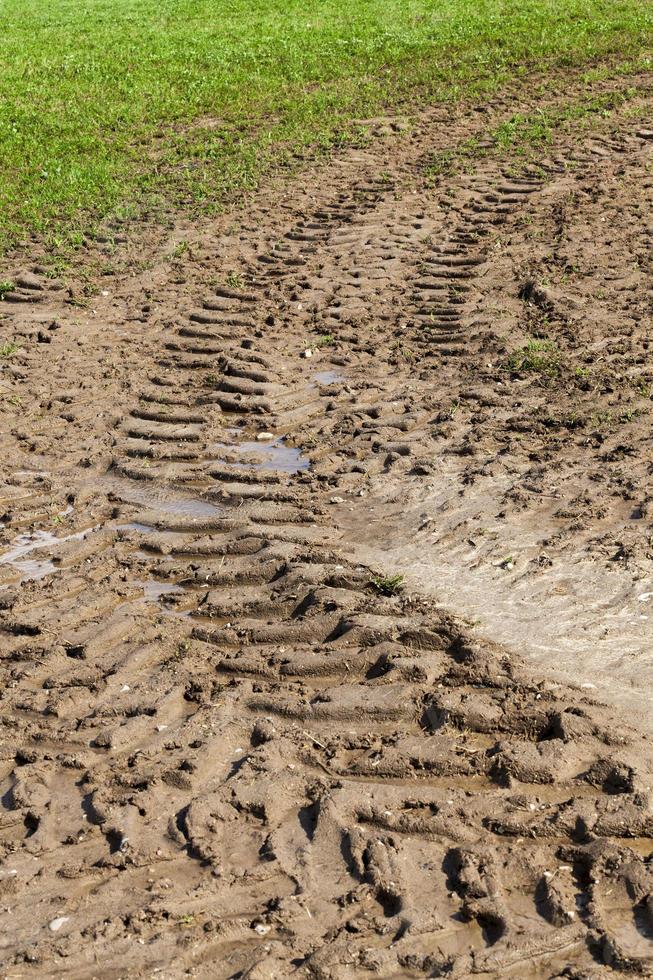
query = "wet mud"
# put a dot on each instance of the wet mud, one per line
(324, 593)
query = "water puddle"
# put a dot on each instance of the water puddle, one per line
(272, 454)
(153, 591)
(136, 526)
(328, 377)
(162, 501)
(36, 568)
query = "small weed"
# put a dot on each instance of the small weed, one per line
(82, 303)
(6, 286)
(388, 585)
(604, 421)
(8, 349)
(180, 249)
(401, 350)
(628, 416)
(324, 340)
(235, 280)
(537, 356)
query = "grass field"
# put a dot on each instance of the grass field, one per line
(115, 106)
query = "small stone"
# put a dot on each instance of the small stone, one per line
(102, 740)
(56, 924)
(308, 353)
(264, 436)
(261, 929)
(337, 500)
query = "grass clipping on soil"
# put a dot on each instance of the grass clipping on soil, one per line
(120, 106)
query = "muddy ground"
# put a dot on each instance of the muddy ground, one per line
(234, 742)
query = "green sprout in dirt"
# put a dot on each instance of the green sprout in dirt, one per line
(6, 286)
(8, 349)
(388, 585)
(235, 280)
(401, 350)
(180, 249)
(537, 356)
(325, 340)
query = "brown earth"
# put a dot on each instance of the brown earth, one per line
(234, 744)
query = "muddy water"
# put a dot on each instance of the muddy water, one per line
(36, 568)
(262, 455)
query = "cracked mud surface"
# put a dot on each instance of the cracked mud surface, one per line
(230, 747)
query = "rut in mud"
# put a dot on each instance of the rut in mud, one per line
(232, 744)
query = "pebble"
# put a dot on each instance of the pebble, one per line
(261, 929)
(337, 500)
(264, 436)
(308, 353)
(56, 924)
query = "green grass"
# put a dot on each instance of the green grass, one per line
(536, 357)
(115, 108)
(526, 132)
(388, 585)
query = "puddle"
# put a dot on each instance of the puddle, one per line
(270, 455)
(328, 377)
(165, 503)
(135, 526)
(153, 590)
(24, 544)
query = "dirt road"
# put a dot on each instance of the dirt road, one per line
(235, 743)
